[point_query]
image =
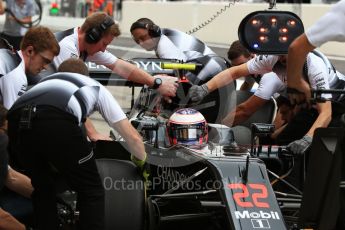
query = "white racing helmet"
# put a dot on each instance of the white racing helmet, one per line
(187, 127)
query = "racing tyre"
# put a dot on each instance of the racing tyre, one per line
(124, 194)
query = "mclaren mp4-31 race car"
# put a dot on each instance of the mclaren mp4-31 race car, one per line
(198, 175)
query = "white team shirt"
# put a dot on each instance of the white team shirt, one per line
(69, 48)
(174, 44)
(13, 83)
(269, 85)
(330, 27)
(167, 49)
(76, 94)
(319, 75)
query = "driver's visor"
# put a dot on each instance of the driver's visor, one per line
(187, 133)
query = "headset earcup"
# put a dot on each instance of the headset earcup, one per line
(93, 36)
(154, 30)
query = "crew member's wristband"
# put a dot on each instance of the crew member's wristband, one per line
(137, 162)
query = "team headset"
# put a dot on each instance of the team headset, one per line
(95, 34)
(153, 30)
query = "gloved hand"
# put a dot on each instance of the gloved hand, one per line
(196, 93)
(142, 166)
(301, 145)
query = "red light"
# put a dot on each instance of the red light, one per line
(263, 38)
(274, 21)
(283, 30)
(283, 39)
(263, 30)
(291, 23)
(256, 22)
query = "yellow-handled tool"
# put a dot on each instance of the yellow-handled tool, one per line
(182, 66)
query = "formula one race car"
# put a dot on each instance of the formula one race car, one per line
(211, 183)
(192, 183)
(199, 176)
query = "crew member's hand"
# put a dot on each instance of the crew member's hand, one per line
(98, 136)
(168, 87)
(301, 145)
(143, 167)
(196, 93)
(299, 93)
